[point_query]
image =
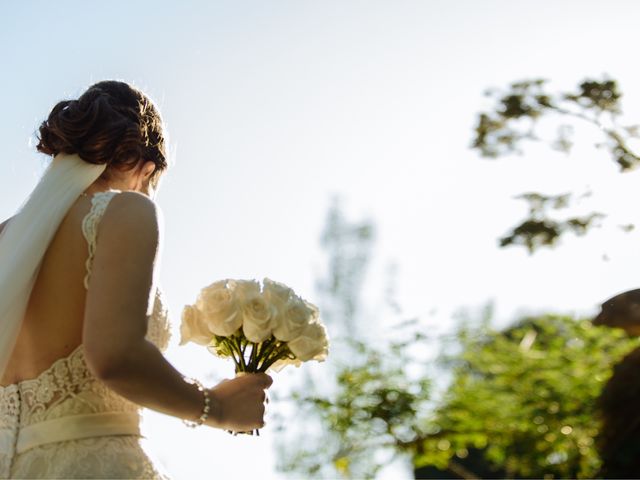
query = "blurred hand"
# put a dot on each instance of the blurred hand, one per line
(239, 403)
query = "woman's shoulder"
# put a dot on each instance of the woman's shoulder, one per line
(132, 198)
(131, 201)
(131, 213)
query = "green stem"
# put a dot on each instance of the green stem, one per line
(264, 355)
(241, 348)
(270, 358)
(266, 343)
(252, 357)
(233, 342)
(243, 344)
(231, 346)
(267, 363)
(259, 351)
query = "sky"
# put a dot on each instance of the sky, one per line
(272, 107)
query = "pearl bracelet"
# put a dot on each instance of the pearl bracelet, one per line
(205, 410)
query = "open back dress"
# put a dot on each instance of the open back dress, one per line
(66, 423)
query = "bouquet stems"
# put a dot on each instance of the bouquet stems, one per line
(262, 356)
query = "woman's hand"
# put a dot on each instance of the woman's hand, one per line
(239, 403)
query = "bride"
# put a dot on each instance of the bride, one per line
(82, 318)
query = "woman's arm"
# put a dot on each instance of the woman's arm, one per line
(148, 379)
(118, 301)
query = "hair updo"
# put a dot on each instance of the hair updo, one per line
(111, 123)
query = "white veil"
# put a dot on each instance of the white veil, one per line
(26, 237)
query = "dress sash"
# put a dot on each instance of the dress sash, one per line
(71, 427)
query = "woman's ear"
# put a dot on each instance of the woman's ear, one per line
(148, 168)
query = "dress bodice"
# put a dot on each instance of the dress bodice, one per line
(67, 387)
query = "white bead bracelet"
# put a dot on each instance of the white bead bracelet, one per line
(205, 410)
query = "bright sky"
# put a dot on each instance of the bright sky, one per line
(273, 106)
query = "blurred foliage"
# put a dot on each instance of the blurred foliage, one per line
(539, 230)
(319, 449)
(373, 412)
(522, 403)
(348, 246)
(514, 119)
(526, 396)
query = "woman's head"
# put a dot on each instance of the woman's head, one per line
(111, 123)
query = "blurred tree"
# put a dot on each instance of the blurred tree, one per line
(514, 120)
(371, 417)
(523, 401)
(348, 248)
(526, 397)
(327, 444)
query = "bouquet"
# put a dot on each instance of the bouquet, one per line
(280, 328)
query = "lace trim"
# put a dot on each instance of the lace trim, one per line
(90, 222)
(48, 370)
(159, 324)
(45, 397)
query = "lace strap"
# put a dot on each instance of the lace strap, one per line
(90, 222)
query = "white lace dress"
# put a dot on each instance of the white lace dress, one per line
(66, 423)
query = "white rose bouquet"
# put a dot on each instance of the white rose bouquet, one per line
(280, 327)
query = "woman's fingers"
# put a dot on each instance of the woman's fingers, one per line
(244, 400)
(266, 378)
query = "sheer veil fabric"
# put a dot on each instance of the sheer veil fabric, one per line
(26, 237)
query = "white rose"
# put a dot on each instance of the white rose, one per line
(277, 295)
(311, 344)
(193, 328)
(293, 317)
(314, 312)
(257, 315)
(246, 289)
(220, 307)
(283, 362)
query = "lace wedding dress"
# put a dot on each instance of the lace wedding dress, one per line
(66, 423)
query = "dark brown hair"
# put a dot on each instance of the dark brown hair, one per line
(111, 123)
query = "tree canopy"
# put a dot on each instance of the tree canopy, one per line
(526, 395)
(515, 119)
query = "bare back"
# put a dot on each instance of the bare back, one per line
(52, 326)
